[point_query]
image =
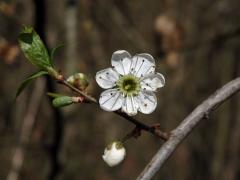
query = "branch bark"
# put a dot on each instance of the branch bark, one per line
(188, 124)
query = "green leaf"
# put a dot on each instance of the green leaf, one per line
(34, 48)
(53, 52)
(62, 101)
(28, 80)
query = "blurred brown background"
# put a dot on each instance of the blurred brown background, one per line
(196, 46)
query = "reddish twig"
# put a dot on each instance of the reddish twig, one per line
(155, 130)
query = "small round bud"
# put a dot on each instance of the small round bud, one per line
(79, 80)
(114, 153)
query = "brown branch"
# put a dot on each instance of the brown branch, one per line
(188, 124)
(155, 130)
(136, 132)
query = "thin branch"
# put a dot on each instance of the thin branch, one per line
(88, 97)
(136, 132)
(155, 130)
(26, 130)
(187, 126)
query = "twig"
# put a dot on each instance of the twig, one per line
(136, 132)
(152, 129)
(28, 122)
(64, 82)
(187, 126)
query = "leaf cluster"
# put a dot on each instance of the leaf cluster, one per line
(36, 52)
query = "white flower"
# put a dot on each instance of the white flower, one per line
(114, 153)
(130, 83)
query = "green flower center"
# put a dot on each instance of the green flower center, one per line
(129, 85)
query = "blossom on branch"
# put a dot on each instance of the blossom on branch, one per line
(130, 83)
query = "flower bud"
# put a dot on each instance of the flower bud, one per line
(114, 153)
(79, 80)
(62, 101)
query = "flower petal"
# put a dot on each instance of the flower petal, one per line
(142, 64)
(147, 102)
(151, 82)
(107, 78)
(130, 105)
(111, 100)
(121, 61)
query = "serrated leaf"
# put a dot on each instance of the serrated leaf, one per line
(53, 52)
(62, 101)
(34, 48)
(28, 80)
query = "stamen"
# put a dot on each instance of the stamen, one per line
(129, 85)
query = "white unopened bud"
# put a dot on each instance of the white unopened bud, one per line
(114, 153)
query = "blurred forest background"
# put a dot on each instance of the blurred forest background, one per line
(196, 44)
